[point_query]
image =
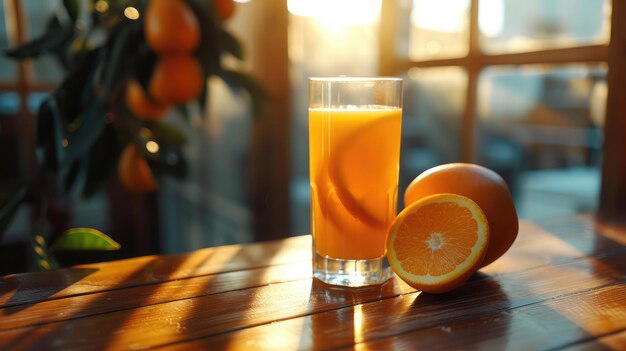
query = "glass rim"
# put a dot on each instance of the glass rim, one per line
(354, 79)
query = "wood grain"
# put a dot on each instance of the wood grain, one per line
(565, 278)
(25, 288)
(613, 190)
(20, 289)
(214, 314)
(519, 258)
(551, 324)
(612, 341)
(408, 312)
(145, 295)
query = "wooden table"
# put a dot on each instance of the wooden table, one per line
(561, 286)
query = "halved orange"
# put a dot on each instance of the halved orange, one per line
(438, 242)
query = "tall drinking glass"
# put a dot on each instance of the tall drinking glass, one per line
(354, 150)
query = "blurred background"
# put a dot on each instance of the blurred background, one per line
(519, 86)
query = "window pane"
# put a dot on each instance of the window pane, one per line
(434, 99)
(526, 25)
(8, 68)
(438, 29)
(541, 129)
(9, 103)
(45, 68)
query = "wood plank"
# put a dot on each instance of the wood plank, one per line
(522, 256)
(22, 288)
(551, 324)
(416, 321)
(613, 190)
(578, 240)
(160, 324)
(613, 341)
(123, 299)
(25, 288)
(394, 304)
(555, 241)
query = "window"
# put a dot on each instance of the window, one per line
(518, 86)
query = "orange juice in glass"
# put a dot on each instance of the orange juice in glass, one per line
(354, 149)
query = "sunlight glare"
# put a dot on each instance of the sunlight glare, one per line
(440, 16)
(152, 147)
(131, 13)
(491, 17)
(337, 14)
(358, 324)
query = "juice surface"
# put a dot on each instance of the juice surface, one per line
(354, 156)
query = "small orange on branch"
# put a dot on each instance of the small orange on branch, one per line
(134, 172)
(176, 79)
(171, 27)
(142, 104)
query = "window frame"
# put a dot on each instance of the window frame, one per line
(613, 189)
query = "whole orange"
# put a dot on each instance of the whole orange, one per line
(141, 104)
(480, 184)
(171, 27)
(225, 8)
(176, 79)
(134, 172)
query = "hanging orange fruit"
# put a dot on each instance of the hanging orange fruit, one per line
(141, 104)
(134, 172)
(225, 8)
(176, 79)
(171, 27)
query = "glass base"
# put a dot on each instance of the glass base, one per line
(336, 271)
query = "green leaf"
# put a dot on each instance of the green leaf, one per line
(86, 134)
(144, 66)
(54, 38)
(230, 44)
(9, 208)
(167, 133)
(73, 8)
(84, 239)
(208, 52)
(43, 261)
(101, 160)
(123, 43)
(203, 97)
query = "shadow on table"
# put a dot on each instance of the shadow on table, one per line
(89, 322)
(448, 320)
(27, 289)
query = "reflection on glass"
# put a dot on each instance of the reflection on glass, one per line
(45, 68)
(358, 324)
(439, 29)
(8, 68)
(434, 99)
(541, 129)
(526, 25)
